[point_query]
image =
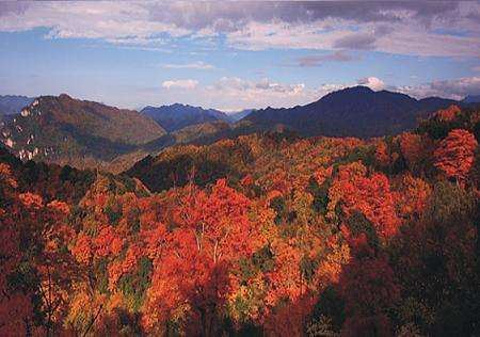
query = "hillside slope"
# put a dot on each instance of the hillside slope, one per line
(67, 130)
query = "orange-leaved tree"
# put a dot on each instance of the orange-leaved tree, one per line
(454, 155)
(207, 234)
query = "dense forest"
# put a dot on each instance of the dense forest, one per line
(265, 234)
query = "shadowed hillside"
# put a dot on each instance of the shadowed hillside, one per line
(357, 111)
(177, 116)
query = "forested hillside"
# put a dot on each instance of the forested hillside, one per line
(261, 235)
(70, 131)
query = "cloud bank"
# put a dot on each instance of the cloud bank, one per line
(454, 89)
(408, 28)
(233, 93)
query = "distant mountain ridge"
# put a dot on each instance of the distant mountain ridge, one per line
(11, 104)
(471, 99)
(178, 116)
(356, 111)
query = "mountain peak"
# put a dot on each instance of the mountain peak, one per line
(64, 96)
(358, 89)
(355, 111)
(354, 91)
(177, 116)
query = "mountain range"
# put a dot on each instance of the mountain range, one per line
(471, 99)
(357, 111)
(177, 116)
(83, 134)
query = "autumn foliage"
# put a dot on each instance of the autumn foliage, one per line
(455, 154)
(266, 235)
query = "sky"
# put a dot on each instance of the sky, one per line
(237, 55)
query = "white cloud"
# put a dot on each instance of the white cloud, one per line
(234, 93)
(405, 38)
(180, 84)
(195, 65)
(263, 85)
(115, 22)
(408, 28)
(372, 82)
(454, 88)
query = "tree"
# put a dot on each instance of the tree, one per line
(448, 114)
(353, 190)
(369, 288)
(16, 310)
(454, 155)
(37, 268)
(416, 149)
(209, 233)
(413, 197)
(436, 264)
(382, 155)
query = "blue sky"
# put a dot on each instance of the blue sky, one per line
(232, 56)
